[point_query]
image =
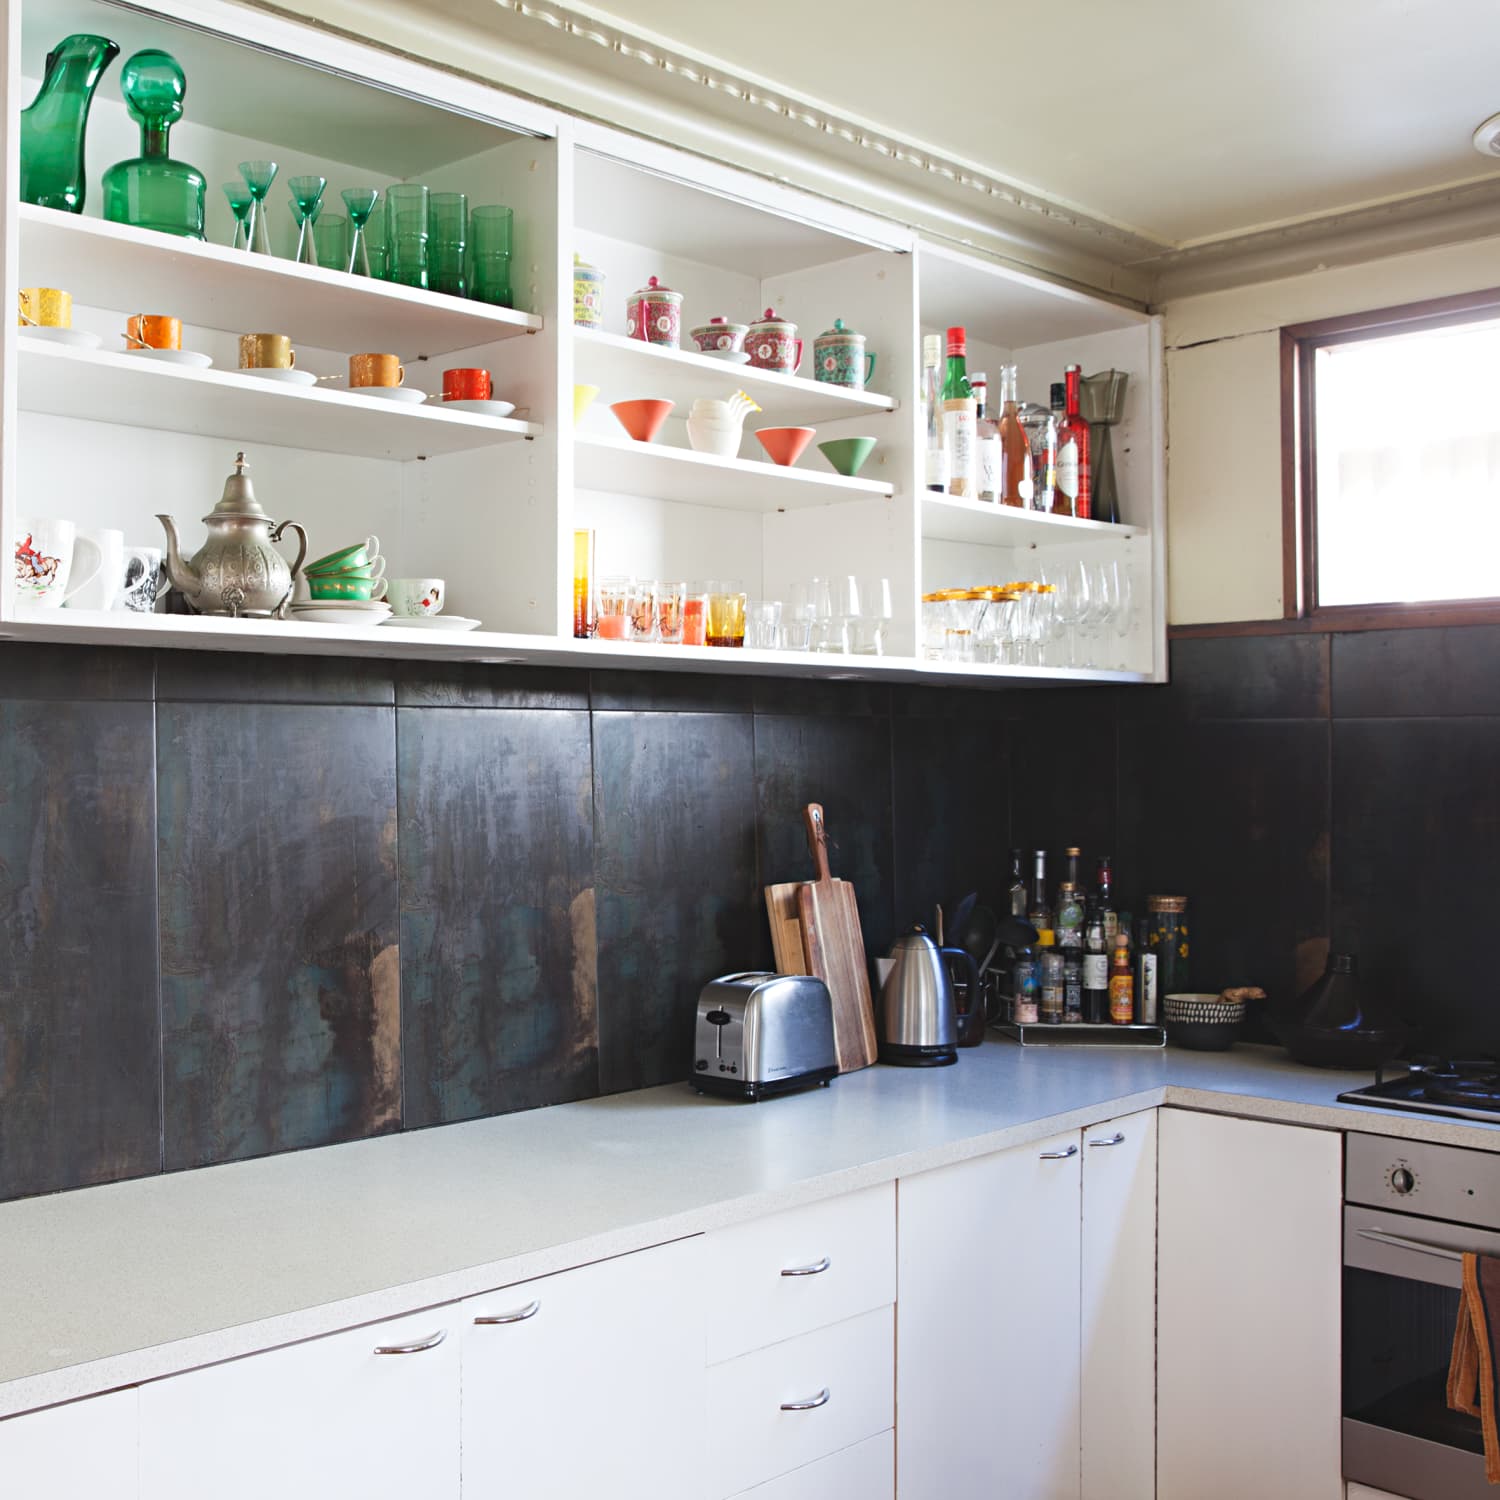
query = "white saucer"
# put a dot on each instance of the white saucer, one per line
(390, 393)
(481, 408)
(361, 606)
(729, 356)
(285, 377)
(435, 622)
(174, 357)
(74, 337)
(329, 613)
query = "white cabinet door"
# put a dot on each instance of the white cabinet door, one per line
(1119, 1309)
(332, 1416)
(1249, 1278)
(987, 1371)
(84, 1451)
(1364, 1492)
(589, 1382)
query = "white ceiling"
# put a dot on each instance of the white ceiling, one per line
(1183, 120)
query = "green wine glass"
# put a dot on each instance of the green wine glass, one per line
(259, 175)
(307, 195)
(361, 203)
(240, 203)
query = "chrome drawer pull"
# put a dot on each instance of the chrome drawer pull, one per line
(1059, 1155)
(520, 1315)
(821, 1399)
(1400, 1242)
(1117, 1139)
(815, 1269)
(417, 1347)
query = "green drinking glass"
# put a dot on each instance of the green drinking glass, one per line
(375, 240)
(152, 190)
(333, 242)
(259, 175)
(490, 228)
(361, 203)
(240, 204)
(307, 199)
(408, 229)
(53, 124)
(447, 268)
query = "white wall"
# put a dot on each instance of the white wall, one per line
(1224, 417)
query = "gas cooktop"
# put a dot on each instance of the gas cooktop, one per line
(1469, 1090)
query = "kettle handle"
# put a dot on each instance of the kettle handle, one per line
(817, 841)
(972, 1019)
(280, 610)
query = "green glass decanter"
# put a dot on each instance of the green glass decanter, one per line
(151, 190)
(53, 124)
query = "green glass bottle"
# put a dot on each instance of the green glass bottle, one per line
(53, 124)
(151, 190)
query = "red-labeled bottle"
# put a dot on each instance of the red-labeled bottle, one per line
(1074, 488)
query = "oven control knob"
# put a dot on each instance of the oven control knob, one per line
(1403, 1180)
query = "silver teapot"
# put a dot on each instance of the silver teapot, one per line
(237, 571)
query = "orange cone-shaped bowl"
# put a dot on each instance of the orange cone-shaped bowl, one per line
(642, 419)
(785, 444)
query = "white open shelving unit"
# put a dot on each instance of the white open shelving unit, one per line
(107, 439)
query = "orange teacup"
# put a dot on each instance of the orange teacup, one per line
(153, 331)
(375, 369)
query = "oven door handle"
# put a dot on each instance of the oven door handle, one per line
(1400, 1242)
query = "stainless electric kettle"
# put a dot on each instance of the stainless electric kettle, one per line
(919, 1018)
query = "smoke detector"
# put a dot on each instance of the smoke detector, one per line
(1487, 137)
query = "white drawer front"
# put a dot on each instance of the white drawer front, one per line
(759, 1304)
(752, 1437)
(867, 1471)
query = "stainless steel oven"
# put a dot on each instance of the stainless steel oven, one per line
(1410, 1211)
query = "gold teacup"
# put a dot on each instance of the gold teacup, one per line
(267, 351)
(45, 307)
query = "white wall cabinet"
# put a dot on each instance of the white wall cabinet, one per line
(589, 1382)
(83, 1451)
(1249, 1282)
(373, 1412)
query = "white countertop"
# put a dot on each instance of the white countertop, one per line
(108, 1286)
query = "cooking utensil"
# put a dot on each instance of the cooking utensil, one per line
(836, 950)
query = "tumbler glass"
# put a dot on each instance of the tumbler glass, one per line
(695, 616)
(763, 624)
(333, 242)
(408, 231)
(643, 609)
(726, 614)
(490, 228)
(613, 619)
(669, 613)
(446, 263)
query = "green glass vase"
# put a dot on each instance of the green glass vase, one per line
(53, 124)
(152, 190)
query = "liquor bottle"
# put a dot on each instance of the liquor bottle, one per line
(1145, 975)
(1038, 913)
(1016, 487)
(1095, 966)
(1121, 982)
(1074, 494)
(1052, 986)
(1017, 900)
(1040, 427)
(1072, 986)
(1026, 987)
(986, 439)
(1070, 905)
(958, 419)
(1106, 905)
(936, 454)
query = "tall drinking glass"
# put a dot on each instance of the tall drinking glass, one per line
(490, 229)
(446, 259)
(333, 242)
(408, 231)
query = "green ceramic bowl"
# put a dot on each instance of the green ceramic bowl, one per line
(342, 588)
(367, 570)
(847, 455)
(346, 557)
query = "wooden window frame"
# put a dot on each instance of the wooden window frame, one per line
(1299, 573)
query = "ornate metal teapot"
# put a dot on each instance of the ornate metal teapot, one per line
(237, 571)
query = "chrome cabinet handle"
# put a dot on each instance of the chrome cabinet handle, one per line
(815, 1269)
(417, 1346)
(1058, 1155)
(811, 1404)
(1117, 1139)
(520, 1315)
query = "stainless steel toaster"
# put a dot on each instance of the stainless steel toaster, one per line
(762, 1034)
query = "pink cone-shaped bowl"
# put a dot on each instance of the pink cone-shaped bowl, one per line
(642, 419)
(785, 444)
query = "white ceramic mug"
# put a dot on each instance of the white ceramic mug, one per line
(416, 598)
(46, 552)
(140, 581)
(100, 590)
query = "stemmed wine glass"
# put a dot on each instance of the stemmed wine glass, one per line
(258, 175)
(307, 200)
(1124, 610)
(1071, 605)
(361, 203)
(240, 202)
(1100, 613)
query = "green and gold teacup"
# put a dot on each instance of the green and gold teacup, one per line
(353, 590)
(357, 555)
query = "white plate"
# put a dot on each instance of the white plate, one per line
(174, 357)
(390, 393)
(729, 356)
(363, 606)
(332, 614)
(436, 622)
(75, 337)
(285, 377)
(481, 408)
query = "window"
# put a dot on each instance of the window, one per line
(1392, 427)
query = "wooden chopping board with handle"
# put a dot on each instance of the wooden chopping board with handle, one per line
(835, 950)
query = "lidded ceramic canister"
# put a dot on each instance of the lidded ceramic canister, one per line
(839, 357)
(655, 314)
(719, 334)
(773, 344)
(588, 294)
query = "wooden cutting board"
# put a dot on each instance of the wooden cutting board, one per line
(786, 927)
(835, 950)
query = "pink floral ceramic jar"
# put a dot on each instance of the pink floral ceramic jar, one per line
(655, 314)
(773, 344)
(720, 336)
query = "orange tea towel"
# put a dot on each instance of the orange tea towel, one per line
(1471, 1371)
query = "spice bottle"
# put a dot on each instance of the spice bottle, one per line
(1121, 982)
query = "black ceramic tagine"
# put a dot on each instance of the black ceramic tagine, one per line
(1336, 1024)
